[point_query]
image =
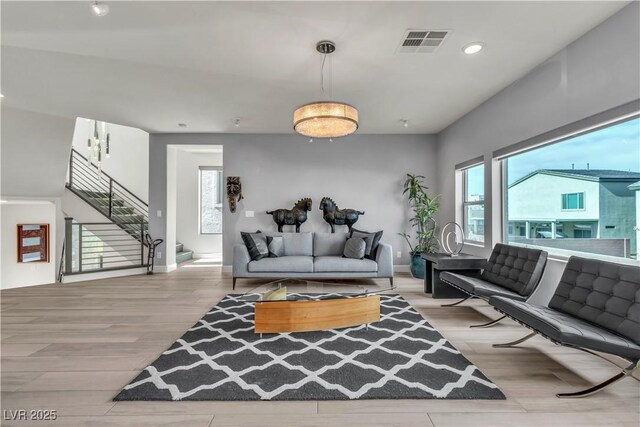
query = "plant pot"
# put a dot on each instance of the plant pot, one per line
(417, 266)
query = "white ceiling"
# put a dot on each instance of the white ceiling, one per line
(153, 65)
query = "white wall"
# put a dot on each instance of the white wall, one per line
(15, 274)
(597, 72)
(35, 153)
(187, 227)
(129, 161)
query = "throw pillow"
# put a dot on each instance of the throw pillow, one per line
(372, 240)
(354, 248)
(256, 243)
(276, 246)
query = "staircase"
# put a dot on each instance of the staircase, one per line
(182, 255)
(128, 215)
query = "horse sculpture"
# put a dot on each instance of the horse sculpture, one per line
(295, 216)
(335, 216)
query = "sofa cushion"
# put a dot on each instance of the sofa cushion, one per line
(337, 264)
(298, 244)
(256, 243)
(276, 246)
(329, 244)
(477, 287)
(354, 248)
(567, 329)
(286, 264)
(603, 293)
(372, 240)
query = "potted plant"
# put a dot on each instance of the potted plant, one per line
(424, 208)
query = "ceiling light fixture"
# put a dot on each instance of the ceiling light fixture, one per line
(1, 95)
(472, 48)
(405, 122)
(236, 122)
(100, 9)
(325, 119)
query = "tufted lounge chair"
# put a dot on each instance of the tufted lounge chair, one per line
(513, 272)
(595, 308)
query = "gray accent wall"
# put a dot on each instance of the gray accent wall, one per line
(597, 72)
(364, 172)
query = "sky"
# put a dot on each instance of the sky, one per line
(615, 147)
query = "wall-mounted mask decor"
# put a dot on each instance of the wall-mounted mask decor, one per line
(234, 192)
(295, 216)
(335, 216)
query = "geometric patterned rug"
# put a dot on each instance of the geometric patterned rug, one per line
(399, 357)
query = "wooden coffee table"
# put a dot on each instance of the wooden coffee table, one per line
(293, 305)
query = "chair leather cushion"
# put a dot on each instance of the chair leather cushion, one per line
(515, 268)
(477, 287)
(602, 293)
(566, 329)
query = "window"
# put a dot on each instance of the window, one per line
(572, 201)
(581, 194)
(210, 200)
(473, 204)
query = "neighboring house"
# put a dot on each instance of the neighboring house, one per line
(578, 204)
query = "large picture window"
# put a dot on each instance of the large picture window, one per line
(210, 200)
(473, 204)
(580, 195)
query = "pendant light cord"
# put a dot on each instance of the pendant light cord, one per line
(324, 58)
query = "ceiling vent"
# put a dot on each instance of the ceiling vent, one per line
(422, 41)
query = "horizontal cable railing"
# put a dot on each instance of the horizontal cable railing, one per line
(108, 196)
(92, 247)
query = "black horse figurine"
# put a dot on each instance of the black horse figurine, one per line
(295, 216)
(335, 216)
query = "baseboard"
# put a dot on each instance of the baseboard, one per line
(401, 269)
(104, 275)
(165, 268)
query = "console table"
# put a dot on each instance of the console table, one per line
(436, 263)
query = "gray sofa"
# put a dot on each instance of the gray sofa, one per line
(313, 256)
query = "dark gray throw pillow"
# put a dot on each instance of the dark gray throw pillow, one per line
(276, 246)
(256, 243)
(371, 239)
(354, 248)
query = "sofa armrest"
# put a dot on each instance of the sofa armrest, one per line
(384, 258)
(240, 260)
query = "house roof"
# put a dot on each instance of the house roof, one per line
(586, 174)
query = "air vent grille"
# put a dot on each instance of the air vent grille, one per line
(422, 41)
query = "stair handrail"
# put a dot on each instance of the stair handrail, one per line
(111, 179)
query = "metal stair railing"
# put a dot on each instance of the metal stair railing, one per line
(101, 246)
(107, 195)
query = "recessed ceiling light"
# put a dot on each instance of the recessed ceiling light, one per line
(236, 122)
(182, 125)
(1, 95)
(100, 9)
(472, 48)
(405, 122)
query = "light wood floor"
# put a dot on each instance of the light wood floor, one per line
(73, 347)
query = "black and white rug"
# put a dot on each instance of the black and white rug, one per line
(400, 357)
